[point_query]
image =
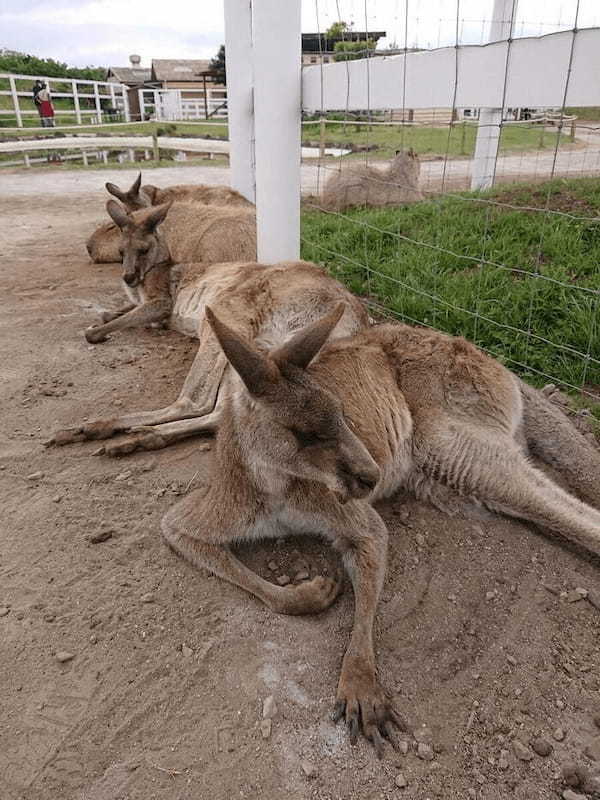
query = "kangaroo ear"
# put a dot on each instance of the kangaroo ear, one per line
(258, 372)
(304, 346)
(117, 214)
(113, 189)
(156, 216)
(135, 187)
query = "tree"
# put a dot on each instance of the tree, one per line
(349, 51)
(217, 65)
(25, 64)
(337, 30)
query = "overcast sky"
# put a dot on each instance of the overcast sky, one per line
(106, 32)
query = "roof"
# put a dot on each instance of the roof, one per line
(311, 44)
(178, 69)
(129, 75)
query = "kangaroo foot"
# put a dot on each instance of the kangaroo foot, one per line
(362, 701)
(143, 439)
(94, 334)
(102, 429)
(309, 597)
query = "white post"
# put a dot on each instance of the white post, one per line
(240, 110)
(97, 101)
(277, 105)
(141, 103)
(125, 97)
(76, 101)
(15, 100)
(490, 119)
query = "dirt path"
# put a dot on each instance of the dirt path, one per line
(162, 697)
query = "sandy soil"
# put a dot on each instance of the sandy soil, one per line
(162, 697)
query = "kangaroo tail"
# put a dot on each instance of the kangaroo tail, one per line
(554, 439)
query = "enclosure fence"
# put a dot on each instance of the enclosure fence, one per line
(512, 268)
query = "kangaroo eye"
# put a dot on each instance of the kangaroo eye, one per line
(306, 439)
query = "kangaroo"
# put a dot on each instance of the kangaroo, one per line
(269, 303)
(152, 240)
(103, 244)
(362, 185)
(309, 440)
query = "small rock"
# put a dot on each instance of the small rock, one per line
(93, 639)
(265, 728)
(575, 775)
(20, 614)
(512, 660)
(490, 595)
(147, 598)
(503, 760)
(283, 580)
(523, 753)
(401, 781)
(272, 566)
(57, 498)
(403, 747)
(574, 596)
(101, 536)
(63, 656)
(560, 705)
(582, 592)
(569, 794)
(269, 709)
(35, 476)
(123, 476)
(4, 610)
(558, 735)
(186, 651)
(303, 575)
(425, 751)
(420, 540)
(307, 768)
(548, 389)
(49, 617)
(541, 746)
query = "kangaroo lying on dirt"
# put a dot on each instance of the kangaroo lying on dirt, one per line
(103, 244)
(308, 447)
(153, 239)
(361, 185)
(269, 303)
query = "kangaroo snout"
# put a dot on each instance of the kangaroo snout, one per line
(130, 278)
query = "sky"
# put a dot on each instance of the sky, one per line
(106, 32)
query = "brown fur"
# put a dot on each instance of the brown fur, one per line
(269, 303)
(103, 244)
(362, 185)
(309, 449)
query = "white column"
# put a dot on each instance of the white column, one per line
(15, 100)
(277, 104)
(125, 97)
(76, 101)
(97, 101)
(141, 103)
(240, 110)
(490, 119)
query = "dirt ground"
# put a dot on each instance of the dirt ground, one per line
(162, 698)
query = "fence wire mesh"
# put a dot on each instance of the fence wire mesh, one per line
(515, 268)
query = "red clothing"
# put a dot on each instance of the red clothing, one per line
(46, 109)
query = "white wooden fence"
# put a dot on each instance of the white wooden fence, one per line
(551, 71)
(92, 93)
(183, 104)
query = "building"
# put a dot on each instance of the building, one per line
(318, 49)
(133, 76)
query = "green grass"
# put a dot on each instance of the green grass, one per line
(431, 141)
(455, 292)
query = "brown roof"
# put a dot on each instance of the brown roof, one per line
(129, 75)
(178, 69)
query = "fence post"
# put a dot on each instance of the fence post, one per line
(15, 100)
(277, 106)
(240, 104)
(76, 101)
(125, 97)
(322, 137)
(97, 101)
(141, 104)
(490, 119)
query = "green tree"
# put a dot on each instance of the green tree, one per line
(25, 64)
(337, 30)
(217, 64)
(349, 51)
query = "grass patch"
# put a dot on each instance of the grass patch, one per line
(447, 285)
(432, 141)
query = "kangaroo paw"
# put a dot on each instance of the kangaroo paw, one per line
(94, 334)
(101, 429)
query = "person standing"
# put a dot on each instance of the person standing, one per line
(37, 88)
(46, 108)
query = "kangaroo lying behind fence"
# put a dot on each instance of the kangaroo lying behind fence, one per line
(153, 239)
(269, 303)
(308, 447)
(103, 244)
(363, 185)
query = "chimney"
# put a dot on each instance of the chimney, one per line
(135, 60)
